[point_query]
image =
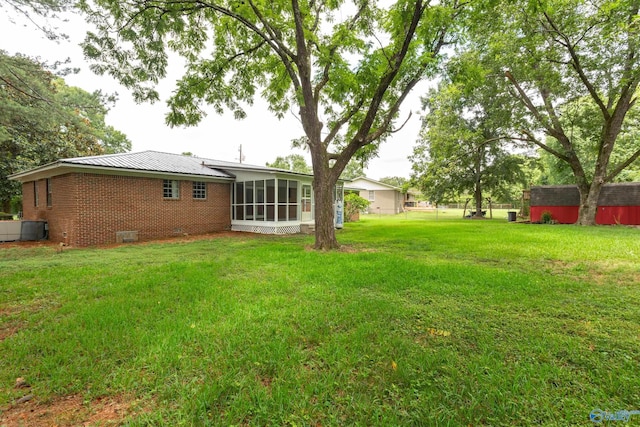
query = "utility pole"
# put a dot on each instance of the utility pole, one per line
(241, 157)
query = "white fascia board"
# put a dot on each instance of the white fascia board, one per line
(372, 185)
(257, 174)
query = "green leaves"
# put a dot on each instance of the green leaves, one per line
(462, 147)
(42, 119)
(236, 49)
(292, 162)
(344, 66)
(557, 54)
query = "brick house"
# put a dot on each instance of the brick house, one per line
(107, 199)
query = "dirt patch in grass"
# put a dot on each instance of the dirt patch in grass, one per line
(9, 329)
(600, 273)
(185, 238)
(14, 322)
(29, 244)
(349, 249)
(71, 411)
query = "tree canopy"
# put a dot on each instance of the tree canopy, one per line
(396, 181)
(343, 67)
(353, 170)
(555, 54)
(582, 119)
(462, 148)
(292, 162)
(40, 13)
(42, 119)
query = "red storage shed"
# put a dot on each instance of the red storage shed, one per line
(618, 203)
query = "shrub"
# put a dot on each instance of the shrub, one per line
(353, 204)
(546, 217)
(16, 204)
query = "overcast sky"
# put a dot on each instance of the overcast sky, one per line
(263, 137)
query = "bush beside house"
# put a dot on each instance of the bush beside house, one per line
(354, 204)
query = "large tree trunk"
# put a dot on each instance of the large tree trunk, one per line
(323, 188)
(477, 194)
(324, 182)
(589, 195)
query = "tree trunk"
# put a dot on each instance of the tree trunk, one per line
(589, 196)
(323, 189)
(478, 198)
(477, 191)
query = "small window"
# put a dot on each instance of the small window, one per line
(199, 190)
(35, 194)
(372, 195)
(171, 189)
(49, 193)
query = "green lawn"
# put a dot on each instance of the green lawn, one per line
(417, 321)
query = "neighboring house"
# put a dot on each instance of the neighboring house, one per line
(410, 197)
(618, 203)
(384, 198)
(99, 200)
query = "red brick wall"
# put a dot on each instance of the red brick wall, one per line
(62, 215)
(29, 211)
(90, 208)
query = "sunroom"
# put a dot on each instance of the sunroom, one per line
(273, 202)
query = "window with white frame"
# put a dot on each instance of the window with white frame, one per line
(372, 195)
(199, 190)
(170, 189)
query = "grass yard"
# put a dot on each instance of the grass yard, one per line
(417, 321)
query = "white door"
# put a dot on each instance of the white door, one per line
(306, 203)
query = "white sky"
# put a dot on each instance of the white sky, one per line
(263, 137)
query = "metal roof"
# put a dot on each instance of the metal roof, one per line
(612, 194)
(151, 161)
(154, 162)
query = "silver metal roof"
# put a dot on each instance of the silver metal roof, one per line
(151, 161)
(154, 162)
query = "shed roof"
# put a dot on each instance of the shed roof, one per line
(613, 194)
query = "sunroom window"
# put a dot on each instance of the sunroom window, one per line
(266, 200)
